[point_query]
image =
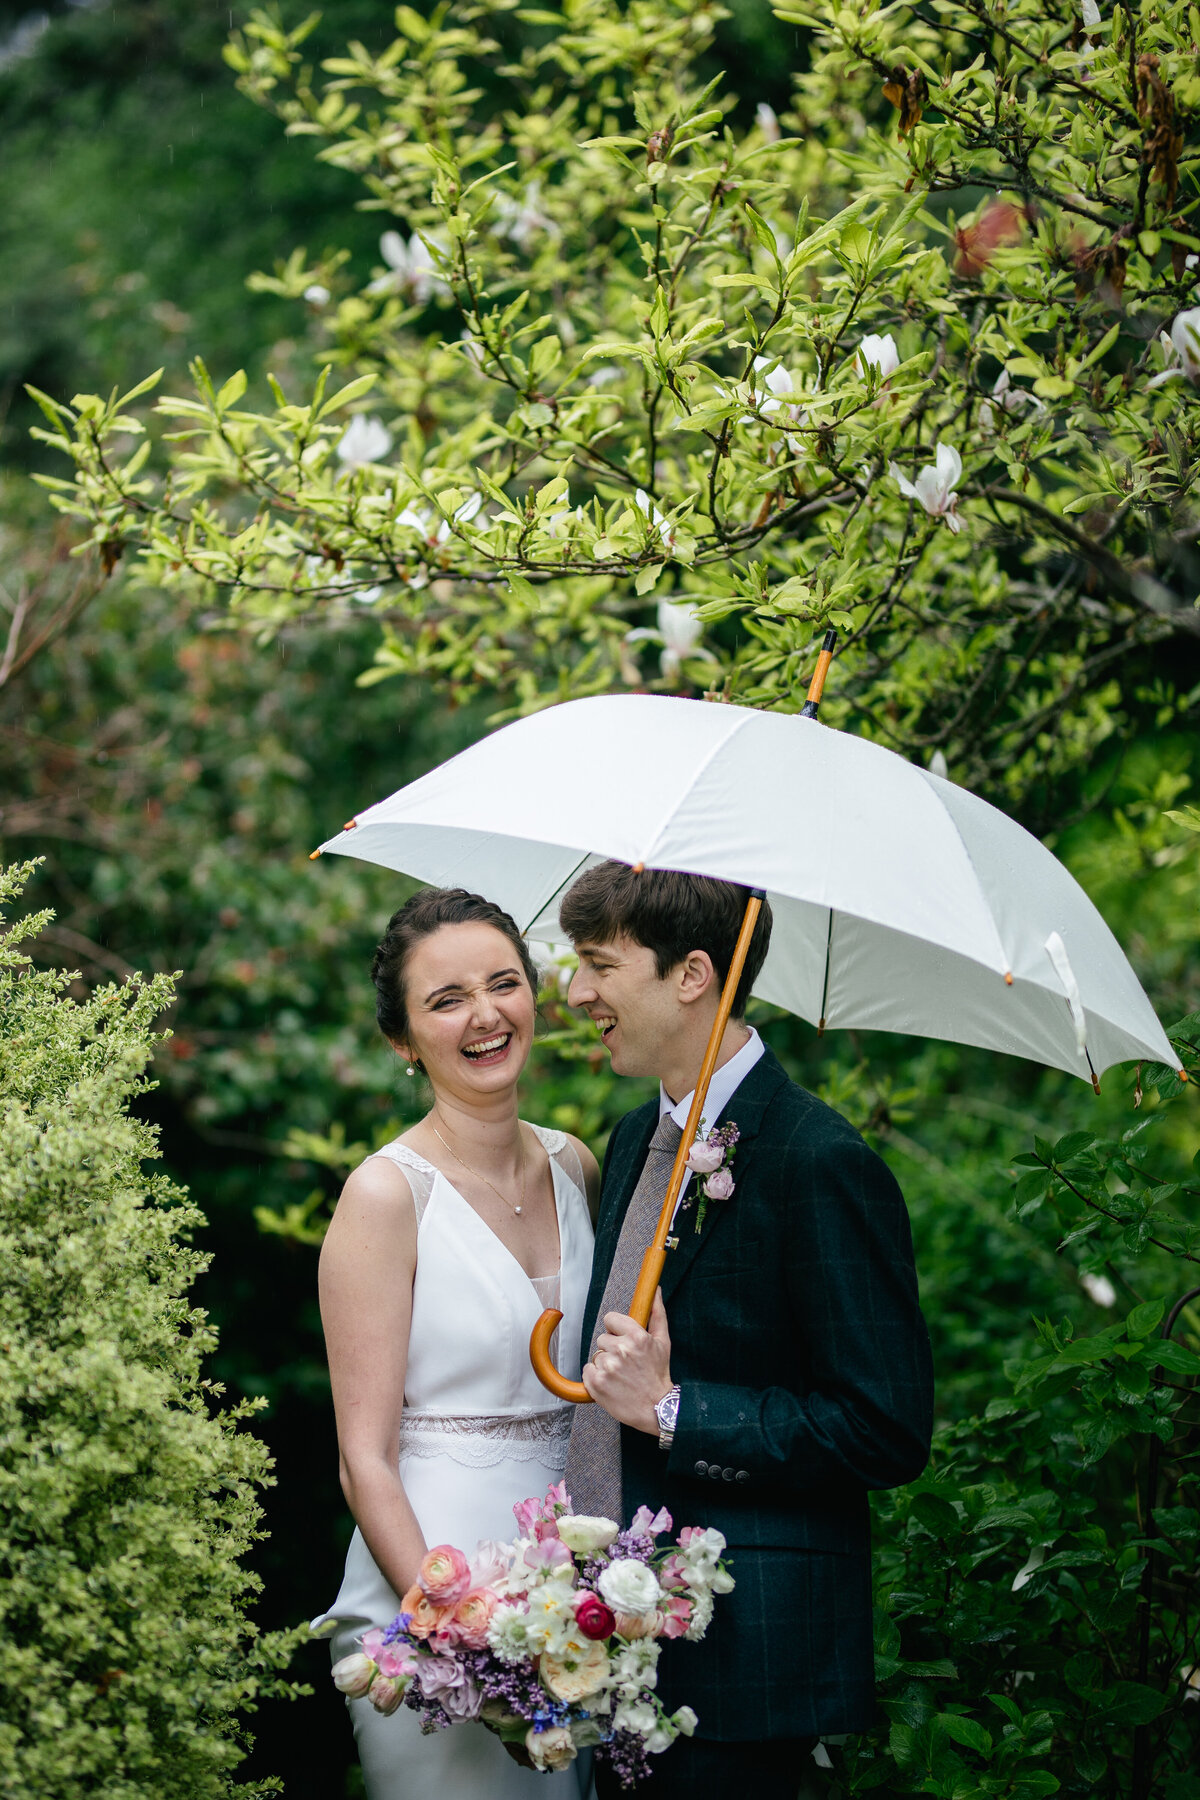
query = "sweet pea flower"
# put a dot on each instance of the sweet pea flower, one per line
(674, 1617)
(878, 353)
(704, 1157)
(365, 440)
(552, 1749)
(353, 1675)
(411, 269)
(548, 1555)
(647, 1524)
(1181, 350)
(934, 486)
(684, 1720)
(396, 1660)
(636, 1716)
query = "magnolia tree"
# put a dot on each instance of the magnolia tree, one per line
(642, 395)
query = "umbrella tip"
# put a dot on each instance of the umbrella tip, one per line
(350, 824)
(1008, 977)
(639, 868)
(313, 855)
(1183, 1075)
(1095, 1082)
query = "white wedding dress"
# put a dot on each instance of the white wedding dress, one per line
(479, 1432)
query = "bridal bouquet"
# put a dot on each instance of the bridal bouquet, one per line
(552, 1640)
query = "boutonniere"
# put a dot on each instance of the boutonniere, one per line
(709, 1158)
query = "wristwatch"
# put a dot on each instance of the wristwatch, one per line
(667, 1413)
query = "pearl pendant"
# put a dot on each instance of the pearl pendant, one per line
(517, 1210)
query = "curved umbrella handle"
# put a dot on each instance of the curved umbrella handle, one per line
(656, 1252)
(544, 1369)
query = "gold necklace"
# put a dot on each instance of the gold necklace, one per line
(475, 1172)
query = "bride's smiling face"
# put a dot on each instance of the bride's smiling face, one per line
(470, 1009)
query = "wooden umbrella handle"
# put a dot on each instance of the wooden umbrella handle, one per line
(651, 1270)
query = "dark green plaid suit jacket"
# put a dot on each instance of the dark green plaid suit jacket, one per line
(803, 1362)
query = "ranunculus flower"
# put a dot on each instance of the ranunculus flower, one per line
(719, 1185)
(353, 1675)
(636, 1625)
(551, 1749)
(424, 1617)
(585, 1534)
(575, 1677)
(705, 1157)
(594, 1619)
(385, 1694)
(472, 1616)
(445, 1575)
(629, 1586)
(934, 486)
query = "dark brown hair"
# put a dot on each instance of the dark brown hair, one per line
(669, 913)
(419, 918)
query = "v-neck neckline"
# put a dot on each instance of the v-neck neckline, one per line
(551, 1274)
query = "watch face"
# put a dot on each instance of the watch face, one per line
(668, 1411)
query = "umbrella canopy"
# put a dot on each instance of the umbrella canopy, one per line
(902, 902)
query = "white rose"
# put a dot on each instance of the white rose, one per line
(553, 1748)
(585, 1535)
(629, 1586)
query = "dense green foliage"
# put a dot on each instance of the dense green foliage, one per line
(128, 1497)
(180, 774)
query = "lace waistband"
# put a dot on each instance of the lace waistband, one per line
(480, 1439)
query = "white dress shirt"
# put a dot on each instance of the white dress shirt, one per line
(721, 1089)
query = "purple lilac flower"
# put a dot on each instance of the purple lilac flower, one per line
(627, 1754)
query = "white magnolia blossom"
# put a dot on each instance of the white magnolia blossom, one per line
(1091, 16)
(939, 766)
(1190, 1677)
(1181, 350)
(365, 440)
(934, 486)
(1098, 1288)
(781, 386)
(421, 519)
(679, 631)
(411, 269)
(1029, 1569)
(603, 374)
(317, 294)
(521, 220)
(767, 120)
(660, 522)
(878, 353)
(1009, 398)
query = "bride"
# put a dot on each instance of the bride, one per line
(445, 1247)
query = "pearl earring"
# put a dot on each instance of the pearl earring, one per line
(410, 1070)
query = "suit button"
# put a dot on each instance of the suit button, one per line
(727, 1474)
(742, 1475)
(702, 1468)
(714, 1472)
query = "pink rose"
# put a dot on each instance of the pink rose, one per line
(424, 1617)
(705, 1157)
(719, 1185)
(594, 1619)
(648, 1524)
(443, 1678)
(472, 1615)
(445, 1575)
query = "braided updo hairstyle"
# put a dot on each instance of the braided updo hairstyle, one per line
(419, 918)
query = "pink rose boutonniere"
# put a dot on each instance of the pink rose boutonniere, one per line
(709, 1158)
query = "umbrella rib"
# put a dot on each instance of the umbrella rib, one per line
(692, 783)
(554, 893)
(825, 988)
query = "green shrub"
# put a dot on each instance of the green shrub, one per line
(127, 1500)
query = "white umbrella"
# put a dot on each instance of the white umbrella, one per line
(901, 902)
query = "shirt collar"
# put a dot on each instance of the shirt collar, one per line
(721, 1089)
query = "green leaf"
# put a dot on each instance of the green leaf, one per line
(967, 1732)
(1070, 1146)
(646, 579)
(1145, 1318)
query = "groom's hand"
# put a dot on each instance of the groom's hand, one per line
(630, 1370)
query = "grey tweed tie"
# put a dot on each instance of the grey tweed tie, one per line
(594, 1457)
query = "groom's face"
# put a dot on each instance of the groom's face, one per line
(618, 985)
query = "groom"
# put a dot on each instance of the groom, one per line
(794, 1375)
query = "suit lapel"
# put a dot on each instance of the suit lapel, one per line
(746, 1108)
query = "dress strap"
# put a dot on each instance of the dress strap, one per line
(419, 1173)
(560, 1149)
